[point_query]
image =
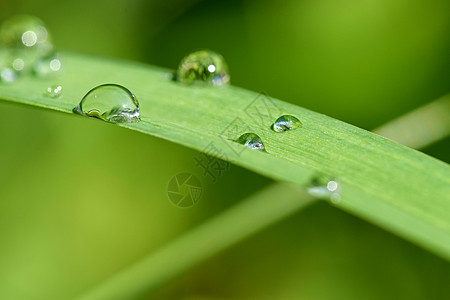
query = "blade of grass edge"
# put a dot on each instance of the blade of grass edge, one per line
(231, 226)
(420, 127)
(117, 285)
(395, 187)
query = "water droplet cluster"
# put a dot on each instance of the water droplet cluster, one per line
(26, 47)
(116, 104)
(54, 91)
(283, 123)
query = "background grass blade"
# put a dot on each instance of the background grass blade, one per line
(253, 214)
(420, 127)
(232, 226)
(398, 188)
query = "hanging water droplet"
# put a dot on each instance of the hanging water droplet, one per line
(110, 102)
(325, 187)
(252, 141)
(47, 66)
(286, 122)
(8, 75)
(203, 67)
(26, 40)
(54, 91)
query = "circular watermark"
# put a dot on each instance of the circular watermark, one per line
(184, 190)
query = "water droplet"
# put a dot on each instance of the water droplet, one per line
(24, 31)
(29, 38)
(325, 187)
(18, 64)
(8, 75)
(203, 67)
(54, 91)
(110, 102)
(286, 122)
(47, 66)
(252, 141)
(26, 40)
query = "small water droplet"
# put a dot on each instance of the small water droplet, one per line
(47, 66)
(110, 102)
(54, 91)
(203, 67)
(286, 122)
(8, 75)
(29, 38)
(252, 141)
(18, 64)
(325, 187)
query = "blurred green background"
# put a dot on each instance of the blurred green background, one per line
(81, 199)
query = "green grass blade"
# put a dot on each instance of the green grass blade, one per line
(251, 215)
(398, 188)
(420, 127)
(129, 280)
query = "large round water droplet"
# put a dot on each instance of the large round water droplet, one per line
(252, 141)
(203, 67)
(286, 122)
(110, 102)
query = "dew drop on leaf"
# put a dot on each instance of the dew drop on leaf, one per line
(110, 102)
(325, 187)
(54, 91)
(252, 141)
(285, 123)
(203, 67)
